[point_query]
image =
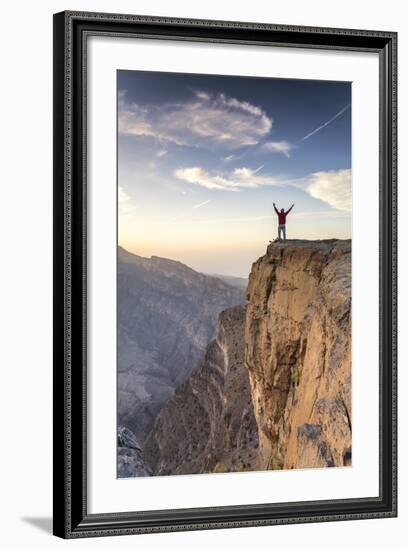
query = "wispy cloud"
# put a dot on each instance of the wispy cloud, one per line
(238, 156)
(239, 178)
(338, 114)
(206, 120)
(333, 187)
(201, 204)
(283, 147)
(125, 203)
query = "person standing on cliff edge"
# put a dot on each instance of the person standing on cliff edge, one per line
(281, 220)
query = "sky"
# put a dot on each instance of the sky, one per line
(202, 158)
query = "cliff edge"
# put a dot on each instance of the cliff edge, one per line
(298, 353)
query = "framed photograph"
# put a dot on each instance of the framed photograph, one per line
(224, 274)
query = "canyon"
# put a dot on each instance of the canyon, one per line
(166, 316)
(266, 386)
(209, 425)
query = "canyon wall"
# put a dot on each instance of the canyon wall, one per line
(166, 315)
(209, 425)
(298, 353)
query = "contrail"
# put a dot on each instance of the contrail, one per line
(326, 123)
(201, 204)
(258, 169)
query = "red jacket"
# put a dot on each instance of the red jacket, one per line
(282, 215)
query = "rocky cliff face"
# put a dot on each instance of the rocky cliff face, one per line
(209, 424)
(298, 353)
(130, 461)
(167, 315)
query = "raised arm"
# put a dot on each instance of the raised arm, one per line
(277, 212)
(289, 210)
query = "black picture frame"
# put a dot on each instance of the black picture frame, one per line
(71, 518)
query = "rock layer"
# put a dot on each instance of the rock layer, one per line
(298, 353)
(209, 424)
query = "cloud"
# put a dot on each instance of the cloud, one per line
(200, 204)
(126, 206)
(333, 187)
(339, 113)
(278, 147)
(228, 158)
(161, 153)
(201, 177)
(239, 178)
(206, 120)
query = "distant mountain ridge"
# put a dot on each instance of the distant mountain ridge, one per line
(167, 314)
(240, 282)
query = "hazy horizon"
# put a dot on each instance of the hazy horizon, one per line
(202, 158)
